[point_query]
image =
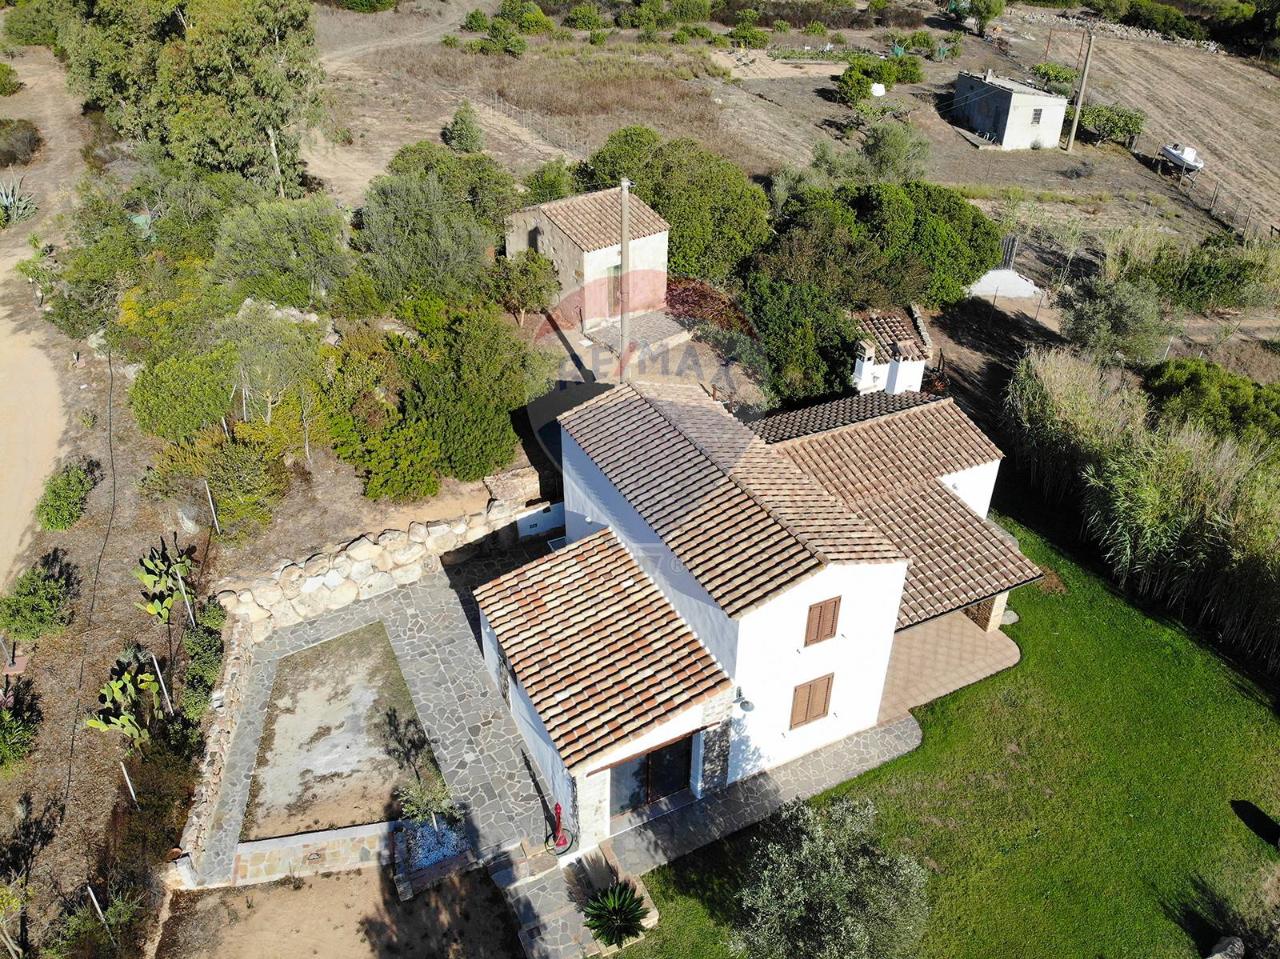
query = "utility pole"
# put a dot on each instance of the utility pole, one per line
(1084, 82)
(624, 281)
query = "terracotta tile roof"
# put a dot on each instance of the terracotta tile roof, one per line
(600, 652)
(894, 334)
(887, 470)
(845, 411)
(593, 221)
(957, 557)
(905, 448)
(742, 519)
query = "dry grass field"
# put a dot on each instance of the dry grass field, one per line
(1222, 105)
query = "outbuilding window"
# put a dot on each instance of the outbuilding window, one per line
(823, 618)
(811, 701)
(1035, 117)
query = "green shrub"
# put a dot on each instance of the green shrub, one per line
(1113, 124)
(616, 914)
(598, 38)
(1052, 73)
(367, 6)
(38, 604)
(356, 297)
(690, 11)
(17, 736)
(9, 82)
(65, 493)
(19, 141)
(1115, 320)
(34, 23)
(426, 798)
(203, 646)
(182, 394)
(820, 883)
(477, 21)
(854, 86)
(718, 216)
(816, 28)
(747, 31)
(463, 133)
(584, 16)
(1193, 389)
(781, 27)
(451, 41)
(1163, 18)
(908, 69)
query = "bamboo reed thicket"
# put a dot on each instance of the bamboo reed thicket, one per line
(1181, 516)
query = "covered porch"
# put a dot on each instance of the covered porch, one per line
(938, 657)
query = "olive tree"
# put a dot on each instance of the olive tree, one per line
(821, 887)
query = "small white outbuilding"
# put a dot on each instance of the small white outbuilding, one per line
(1012, 114)
(581, 235)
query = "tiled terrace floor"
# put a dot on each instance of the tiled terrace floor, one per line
(939, 657)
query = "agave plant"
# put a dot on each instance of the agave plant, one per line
(16, 203)
(616, 914)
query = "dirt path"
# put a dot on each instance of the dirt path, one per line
(32, 419)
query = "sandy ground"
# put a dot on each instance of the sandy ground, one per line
(31, 412)
(343, 916)
(323, 761)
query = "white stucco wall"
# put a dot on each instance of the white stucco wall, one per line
(591, 502)
(975, 485)
(647, 283)
(593, 778)
(895, 376)
(541, 749)
(773, 661)
(1021, 134)
(905, 376)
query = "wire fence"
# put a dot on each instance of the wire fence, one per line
(530, 120)
(1211, 194)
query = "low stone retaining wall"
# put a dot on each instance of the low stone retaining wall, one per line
(336, 576)
(307, 854)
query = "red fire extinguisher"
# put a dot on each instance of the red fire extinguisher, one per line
(561, 840)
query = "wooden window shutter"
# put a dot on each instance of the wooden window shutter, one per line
(811, 701)
(823, 619)
(800, 705)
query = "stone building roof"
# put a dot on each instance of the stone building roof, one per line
(598, 649)
(593, 221)
(896, 335)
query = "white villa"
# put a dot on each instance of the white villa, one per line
(731, 596)
(581, 235)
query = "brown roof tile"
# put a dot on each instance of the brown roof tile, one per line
(876, 456)
(895, 334)
(600, 652)
(957, 557)
(833, 414)
(593, 221)
(887, 470)
(744, 520)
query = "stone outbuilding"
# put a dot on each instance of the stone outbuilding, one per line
(582, 236)
(1011, 114)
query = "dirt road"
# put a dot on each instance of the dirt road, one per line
(32, 419)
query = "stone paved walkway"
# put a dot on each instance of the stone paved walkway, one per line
(749, 800)
(475, 741)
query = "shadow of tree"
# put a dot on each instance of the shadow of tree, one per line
(1206, 916)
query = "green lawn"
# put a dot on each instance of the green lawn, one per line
(1077, 805)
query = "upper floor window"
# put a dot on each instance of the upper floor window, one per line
(811, 701)
(823, 618)
(1035, 117)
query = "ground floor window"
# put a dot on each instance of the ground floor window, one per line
(646, 779)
